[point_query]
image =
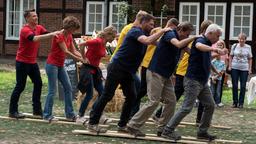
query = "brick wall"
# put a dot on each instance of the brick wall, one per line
(1, 44)
(142, 4)
(74, 4)
(51, 4)
(1, 3)
(52, 22)
(11, 49)
(1, 21)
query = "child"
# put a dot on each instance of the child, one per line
(219, 65)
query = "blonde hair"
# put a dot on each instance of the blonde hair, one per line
(140, 15)
(108, 31)
(242, 35)
(221, 41)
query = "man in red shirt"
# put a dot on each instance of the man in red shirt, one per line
(30, 35)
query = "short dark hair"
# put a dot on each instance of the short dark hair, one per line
(173, 21)
(27, 12)
(147, 18)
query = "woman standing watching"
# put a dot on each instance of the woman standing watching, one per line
(240, 64)
(90, 73)
(62, 45)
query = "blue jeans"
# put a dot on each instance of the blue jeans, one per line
(55, 73)
(216, 90)
(22, 71)
(236, 75)
(93, 82)
(116, 75)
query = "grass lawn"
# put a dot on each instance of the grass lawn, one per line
(242, 121)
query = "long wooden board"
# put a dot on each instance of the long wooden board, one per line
(154, 137)
(182, 124)
(128, 136)
(44, 121)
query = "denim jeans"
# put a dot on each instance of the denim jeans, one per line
(93, 82)
(216, 90)
(22, 71)
(236, 75)
(116, 75)
(194, 90)
(54, 74)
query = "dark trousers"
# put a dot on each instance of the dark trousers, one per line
(236, 75)
(22, 71)
(142, 91)
(116, 75)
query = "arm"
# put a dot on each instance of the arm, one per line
(45, 36)
(250, 65)
(187, 50)
(230, 62)
(63, 47)
(182, 43)
(153, 38)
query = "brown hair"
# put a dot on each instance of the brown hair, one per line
(147, 18)
(173, 21)
(27, 12)
(71, 22)
(242, 35)
(108, 31)
(204, 25)
(140, 14)
(185, 26)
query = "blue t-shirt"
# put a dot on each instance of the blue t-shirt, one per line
(166, 55)
(131, 52)
(219, 66)
(199, 63)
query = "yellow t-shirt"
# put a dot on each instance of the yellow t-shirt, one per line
(123, 33)
(150, 51)
(183, 64)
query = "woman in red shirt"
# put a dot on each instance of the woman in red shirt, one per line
(90, 73)
(62, 45)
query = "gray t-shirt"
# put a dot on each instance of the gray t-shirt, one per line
(241, 56)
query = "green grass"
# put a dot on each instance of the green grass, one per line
(243, 122)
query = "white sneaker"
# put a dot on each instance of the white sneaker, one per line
(104, 120)
(81, 120)
(220, 105)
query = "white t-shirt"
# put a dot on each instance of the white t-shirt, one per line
(241, 56)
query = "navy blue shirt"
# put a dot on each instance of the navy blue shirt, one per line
(166, 56)
(131, 52)
(199, 63)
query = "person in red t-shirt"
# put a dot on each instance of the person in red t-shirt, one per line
(26, 65)
(62, 45)
(90, 73)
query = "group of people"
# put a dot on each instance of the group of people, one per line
(161, 53)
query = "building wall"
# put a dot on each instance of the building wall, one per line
(1, 26)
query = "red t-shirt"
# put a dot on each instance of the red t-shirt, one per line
(57, 55)
(95, 51)
(27, 51)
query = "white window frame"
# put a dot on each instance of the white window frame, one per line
(249, 37)
(111, 13)
(223, 15)
(87, 15)
(197, 4)
(21, 18)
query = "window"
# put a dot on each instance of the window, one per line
(14, 16)
(216, 12)
(94, 16)
(190, 12)
(114, 18)
(241, 20)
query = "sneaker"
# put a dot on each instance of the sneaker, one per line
(240, 106)
(72, 119)
(206, 136)
(159, 131)
(234, 106)
(16, 115)
(51, 119)
(173, 135)
(81, 120)
(135, 132)
(96, 129)
(155, 119)
(104, 120)
(122, 129)
(220, 105)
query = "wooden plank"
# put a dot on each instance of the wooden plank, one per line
(128, 136)
(195, 139)
(29, 115)
(45, 121)
(213, 126)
